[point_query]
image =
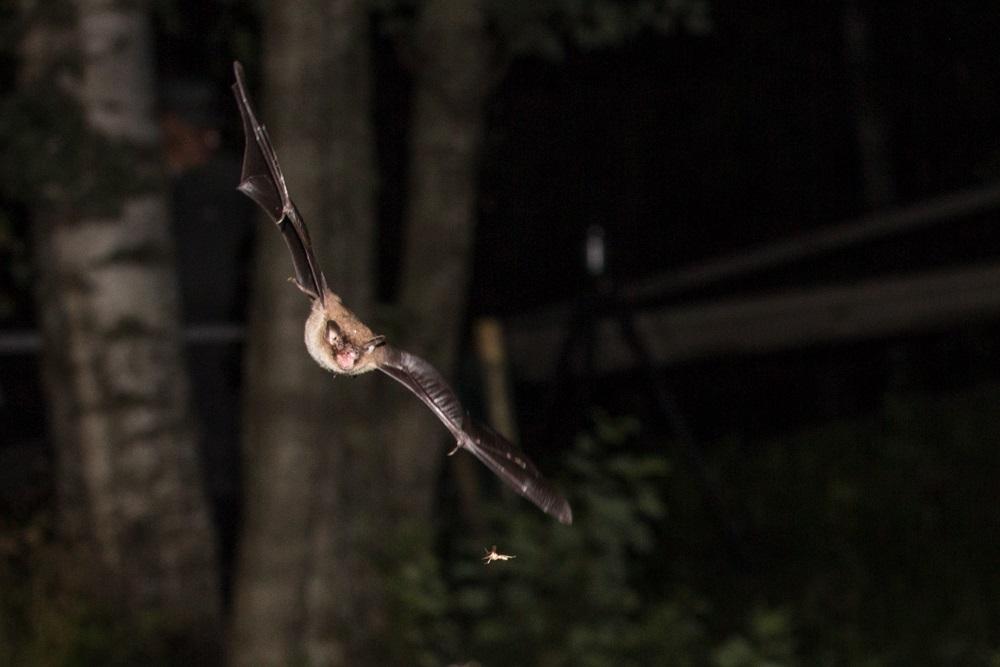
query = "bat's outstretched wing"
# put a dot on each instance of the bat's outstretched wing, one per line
(262, 181)
(498, 454)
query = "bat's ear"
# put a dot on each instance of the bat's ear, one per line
(374, 342)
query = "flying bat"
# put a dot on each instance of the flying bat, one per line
(340, 342)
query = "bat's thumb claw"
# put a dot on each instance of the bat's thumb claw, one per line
(454, 449)
(301, 288)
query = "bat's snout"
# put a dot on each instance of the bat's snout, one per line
(346, 358)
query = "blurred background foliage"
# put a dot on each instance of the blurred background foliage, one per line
(548, 28)
(869, 546)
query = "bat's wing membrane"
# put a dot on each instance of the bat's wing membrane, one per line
(496, 452)
(512, 466)
(263, 181)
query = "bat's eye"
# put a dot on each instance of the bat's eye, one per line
(332, 333)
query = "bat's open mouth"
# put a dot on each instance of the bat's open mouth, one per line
(346, 358)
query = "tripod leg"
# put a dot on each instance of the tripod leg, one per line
(674, 420)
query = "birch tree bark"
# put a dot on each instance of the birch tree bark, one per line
(128, 479)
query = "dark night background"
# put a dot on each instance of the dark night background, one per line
(829, 501)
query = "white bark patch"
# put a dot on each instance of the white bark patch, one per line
(120, 290)
(133, 369)
(142, 459)
(98, 473)
(118, 293)
(133, 506)
(117, 95)
(143, 222)
(135, 423)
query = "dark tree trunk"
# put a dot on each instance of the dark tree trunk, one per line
(303, 582)
(338, 467)
(453, 79)
(871, 120)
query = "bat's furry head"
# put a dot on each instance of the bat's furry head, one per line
(338, 340)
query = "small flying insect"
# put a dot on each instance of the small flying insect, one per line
(492, 555)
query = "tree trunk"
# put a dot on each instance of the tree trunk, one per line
(129, 485)
(336, 466)
(453, 79)
(304, 582)
(871, 121)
